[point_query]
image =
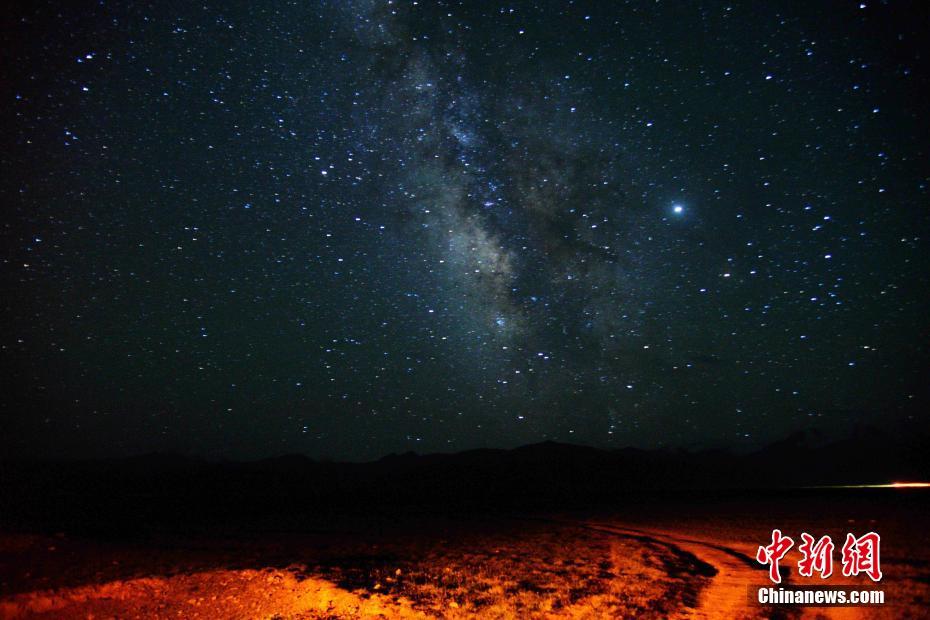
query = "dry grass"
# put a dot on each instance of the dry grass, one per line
(743, 525)
(456, 570)
(432, 567)
(525, 570)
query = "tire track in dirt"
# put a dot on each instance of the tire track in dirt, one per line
(727, 594)
(696, 566)
(730, 571)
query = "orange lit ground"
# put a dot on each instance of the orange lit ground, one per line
(505, 569)
(570, 566)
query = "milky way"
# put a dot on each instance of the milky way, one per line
(352, 228)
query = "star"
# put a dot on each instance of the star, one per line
(368, 207)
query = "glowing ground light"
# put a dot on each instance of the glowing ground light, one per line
(890, 485)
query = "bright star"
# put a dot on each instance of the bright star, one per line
(677, 209)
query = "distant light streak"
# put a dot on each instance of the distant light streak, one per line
(890, 485)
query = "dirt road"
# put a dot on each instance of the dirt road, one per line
(737, 576)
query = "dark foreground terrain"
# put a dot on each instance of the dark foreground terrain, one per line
(543, 531)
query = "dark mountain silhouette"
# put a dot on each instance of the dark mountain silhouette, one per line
(168, 490)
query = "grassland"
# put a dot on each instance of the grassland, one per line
(491, 569)
(677, 559)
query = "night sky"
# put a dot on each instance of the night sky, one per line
(350, 228)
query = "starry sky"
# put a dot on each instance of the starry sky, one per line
(349, 228)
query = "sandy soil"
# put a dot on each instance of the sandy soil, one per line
(491, 568)
(573, 566)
